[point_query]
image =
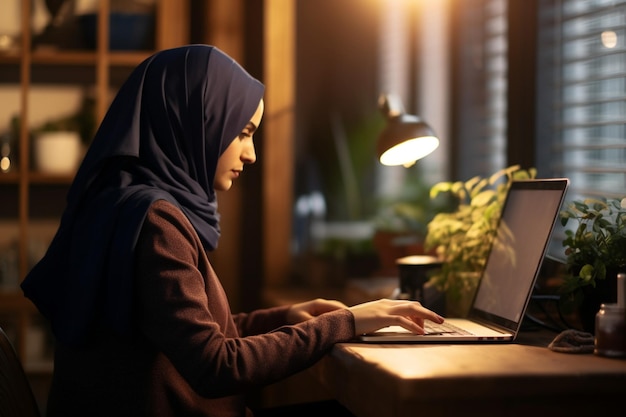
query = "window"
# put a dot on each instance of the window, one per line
(480, 118)
(582, 84)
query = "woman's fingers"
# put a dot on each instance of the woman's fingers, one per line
(369, 317)
(415, 310)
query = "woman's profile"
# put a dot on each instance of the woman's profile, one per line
(141, 322)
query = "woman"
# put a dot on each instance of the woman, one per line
(141, 321)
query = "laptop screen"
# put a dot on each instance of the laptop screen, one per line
(527, 220)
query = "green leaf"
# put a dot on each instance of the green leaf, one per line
(586, 273)
(440, 187)
(458, 189)
(471, 183)
(483, 199)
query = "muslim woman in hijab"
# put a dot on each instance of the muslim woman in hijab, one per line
(141, 322)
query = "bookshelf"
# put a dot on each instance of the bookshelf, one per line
(32, 201)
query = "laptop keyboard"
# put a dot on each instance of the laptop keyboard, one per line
(443, 328)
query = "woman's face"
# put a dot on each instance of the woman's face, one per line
(239, 152)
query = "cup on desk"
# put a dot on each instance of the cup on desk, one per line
(414, 272)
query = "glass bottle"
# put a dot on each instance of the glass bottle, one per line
(610, 337)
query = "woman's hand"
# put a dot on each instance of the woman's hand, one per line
(309, 309)
(369, 317)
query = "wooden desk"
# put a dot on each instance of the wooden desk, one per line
(465, 380)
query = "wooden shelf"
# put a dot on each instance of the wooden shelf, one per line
(10, 57)
(37, 197)
(88, 58)
(37, 178)
(9, 178)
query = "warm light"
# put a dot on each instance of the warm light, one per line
(408, 152)
(405, 138)
(609, 39)
(5, 164)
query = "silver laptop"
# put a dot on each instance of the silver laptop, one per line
(528, 218)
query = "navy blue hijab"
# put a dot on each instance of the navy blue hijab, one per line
(160, 140)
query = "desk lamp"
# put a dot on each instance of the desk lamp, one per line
(405, 138)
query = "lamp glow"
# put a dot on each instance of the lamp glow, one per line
(406, 138)
(409, 151)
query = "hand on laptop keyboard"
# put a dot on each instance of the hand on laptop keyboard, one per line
(442, 328)
(374, 315)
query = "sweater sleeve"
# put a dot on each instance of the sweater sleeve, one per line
(261, 321)
(183, 311)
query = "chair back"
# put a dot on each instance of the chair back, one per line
(16, 396)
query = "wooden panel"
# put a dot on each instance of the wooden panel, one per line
(224, 31)
(172, 21)
(24, 146)
(223, 28)
(521, 119)
(102, 61)
(279, 71)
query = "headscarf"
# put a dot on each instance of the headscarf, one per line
(160, 140)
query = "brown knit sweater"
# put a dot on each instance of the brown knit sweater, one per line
(189, 356)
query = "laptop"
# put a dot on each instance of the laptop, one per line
(528, 217)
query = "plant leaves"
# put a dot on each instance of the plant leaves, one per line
(483, 199)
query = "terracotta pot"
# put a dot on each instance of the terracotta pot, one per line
(391, 246)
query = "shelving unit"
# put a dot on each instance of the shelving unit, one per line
(30, 197)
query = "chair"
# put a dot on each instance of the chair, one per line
(16, 396)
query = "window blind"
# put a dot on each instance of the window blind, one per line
(480, 117)
(583, 91)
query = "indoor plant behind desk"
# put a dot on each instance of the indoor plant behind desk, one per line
(462, 238)
(596, 253)
(401, 222)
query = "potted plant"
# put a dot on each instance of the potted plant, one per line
(58, 143)
(401, 222)
(394, 236)
(462, 238)
(596, 253)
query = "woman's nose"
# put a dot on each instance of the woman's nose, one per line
(248, 155)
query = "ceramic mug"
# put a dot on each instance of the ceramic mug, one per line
(414, 272)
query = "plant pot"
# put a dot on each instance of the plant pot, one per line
(391, 246)
(57, 153)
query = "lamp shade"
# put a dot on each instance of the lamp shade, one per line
(405, 138)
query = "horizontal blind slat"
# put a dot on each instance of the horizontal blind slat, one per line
(588, 84)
